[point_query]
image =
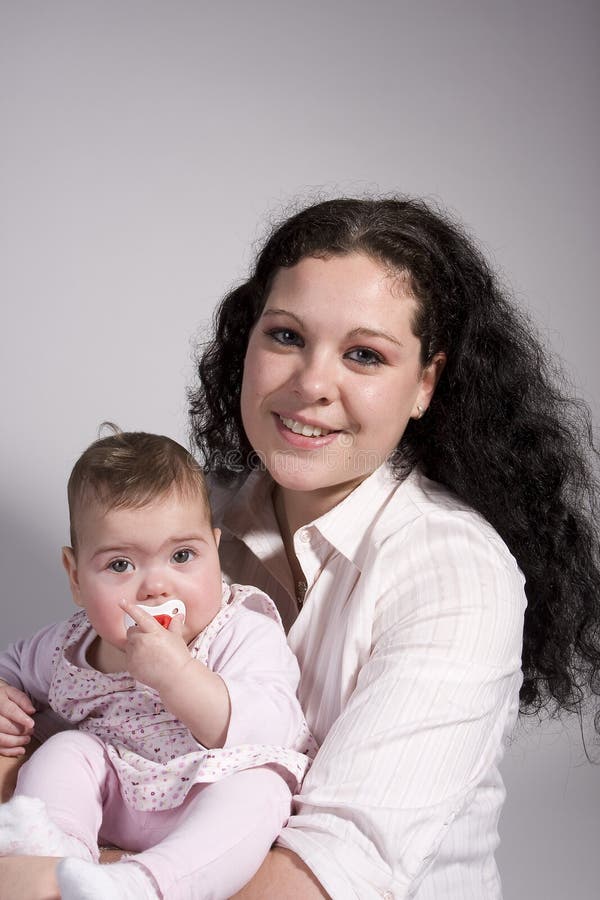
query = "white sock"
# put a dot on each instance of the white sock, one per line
(27, 830)
(79, 880)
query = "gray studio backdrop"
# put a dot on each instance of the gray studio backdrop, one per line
(145, 145)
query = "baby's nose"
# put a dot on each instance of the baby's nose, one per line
(154, 585)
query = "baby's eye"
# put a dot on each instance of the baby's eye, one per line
(286, 336)
(365, 357)
(120, 566)
(182, 556)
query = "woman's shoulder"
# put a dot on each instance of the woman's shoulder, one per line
(427, 513)
(421, 496)
(435, 555)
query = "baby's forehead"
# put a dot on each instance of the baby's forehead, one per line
(98, 505)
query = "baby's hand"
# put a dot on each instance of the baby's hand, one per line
(154, 654)
(16, 723)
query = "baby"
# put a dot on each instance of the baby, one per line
(186, 739)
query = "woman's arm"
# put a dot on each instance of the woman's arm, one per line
(9, 769)
(282, 876)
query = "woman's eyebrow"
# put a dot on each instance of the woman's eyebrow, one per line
(362, 331)
(276, 311)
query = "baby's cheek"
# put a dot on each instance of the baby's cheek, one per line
(109, 623)
(206, 612)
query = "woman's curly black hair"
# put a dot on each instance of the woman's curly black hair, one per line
(500, 431)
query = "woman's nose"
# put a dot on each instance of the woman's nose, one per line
(315, 379)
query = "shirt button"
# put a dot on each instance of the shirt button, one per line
(304, 536)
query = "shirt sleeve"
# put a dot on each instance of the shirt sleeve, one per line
(425, 722)
(261, 673)
(27, 665)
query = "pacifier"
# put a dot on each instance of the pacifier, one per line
(163, 613)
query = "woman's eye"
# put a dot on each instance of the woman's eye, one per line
(120, 566)
(286, 336)
(365, 356)
(182, 556)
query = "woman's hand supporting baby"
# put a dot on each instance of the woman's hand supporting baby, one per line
(160, 658)
(16, 724)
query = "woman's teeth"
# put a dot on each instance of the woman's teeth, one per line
(306, 430)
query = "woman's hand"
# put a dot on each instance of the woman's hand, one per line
(16, 724)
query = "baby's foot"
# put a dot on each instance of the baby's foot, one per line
(79, 880)
(27, 830)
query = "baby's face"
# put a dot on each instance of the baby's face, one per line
(164, 551)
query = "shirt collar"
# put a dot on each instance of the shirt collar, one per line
(249, 514)
(348, 524)
(251, 518)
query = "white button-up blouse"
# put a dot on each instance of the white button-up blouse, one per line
(409, 643)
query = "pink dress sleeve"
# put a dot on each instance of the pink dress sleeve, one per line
(252, 657)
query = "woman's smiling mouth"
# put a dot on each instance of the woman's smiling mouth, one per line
(303, 429)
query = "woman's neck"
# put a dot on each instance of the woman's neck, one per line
(294, 509)
(287, 536)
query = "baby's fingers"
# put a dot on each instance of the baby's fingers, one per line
(176, 624)
(143, 620)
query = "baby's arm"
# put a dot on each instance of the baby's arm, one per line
(246, 695)
(261, 673)
(194, 694)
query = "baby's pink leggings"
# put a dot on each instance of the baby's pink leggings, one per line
(208, 847)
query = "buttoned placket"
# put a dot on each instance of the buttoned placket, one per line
(307, 542)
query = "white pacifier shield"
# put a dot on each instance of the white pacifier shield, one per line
(168, 608)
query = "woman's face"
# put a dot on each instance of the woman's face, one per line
(332, 374)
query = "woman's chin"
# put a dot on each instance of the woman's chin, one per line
(323, 485)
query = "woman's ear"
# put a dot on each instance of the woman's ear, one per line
(429, 379)
(70, 565)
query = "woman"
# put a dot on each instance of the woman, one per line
(424, 524)
(391, 463)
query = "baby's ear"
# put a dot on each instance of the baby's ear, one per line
(70, 564)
